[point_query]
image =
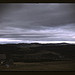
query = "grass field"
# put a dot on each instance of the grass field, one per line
(41, 66)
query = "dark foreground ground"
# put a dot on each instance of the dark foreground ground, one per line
(41, 66)
(38, 57)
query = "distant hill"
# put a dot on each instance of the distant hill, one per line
(39, 52)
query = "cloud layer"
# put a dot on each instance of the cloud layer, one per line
(37, 22)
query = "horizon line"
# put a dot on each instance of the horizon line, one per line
(40, 42)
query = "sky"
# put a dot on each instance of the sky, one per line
(37, 22)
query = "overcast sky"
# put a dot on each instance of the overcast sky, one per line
(42, 22)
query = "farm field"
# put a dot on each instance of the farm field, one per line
(38, 57)
(41, 66)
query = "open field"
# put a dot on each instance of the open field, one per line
(38, 57)
(41, 66)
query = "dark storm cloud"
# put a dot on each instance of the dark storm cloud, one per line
(35, 15)
(38, 22)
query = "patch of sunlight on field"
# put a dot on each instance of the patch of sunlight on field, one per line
(42, 66)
